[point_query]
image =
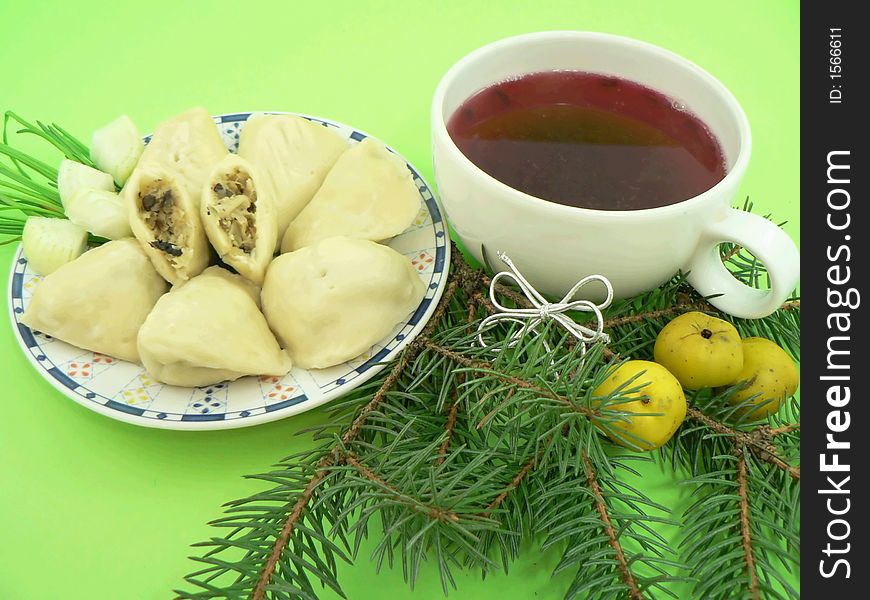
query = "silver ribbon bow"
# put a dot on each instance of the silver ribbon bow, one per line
(543, 311)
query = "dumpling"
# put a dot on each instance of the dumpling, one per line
(188, 146)
(368, 194)
(294, 154)
(165, 220)
(239, 217)
(98, 301)
(207, 330)
(329, 302)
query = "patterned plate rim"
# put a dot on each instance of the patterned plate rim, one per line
(372, 367)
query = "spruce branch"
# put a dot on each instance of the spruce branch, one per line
(731, 252)
(453, 411)
(745, 528)
(741, 513)
(448, 429)
(485, 302)
(757, 440)
(464, 453)
(289, 524)
(323, 469)
(785, 429)
(331, 458)
(433, 512)
(731, 465)
(613, 540)
(516, 480)
(518, 382)
(656, 314)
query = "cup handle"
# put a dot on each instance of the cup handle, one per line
(765, 240)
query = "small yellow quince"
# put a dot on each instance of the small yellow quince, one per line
(700, 350)
(659, 405)
(771, 377)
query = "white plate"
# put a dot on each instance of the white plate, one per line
(124, 391)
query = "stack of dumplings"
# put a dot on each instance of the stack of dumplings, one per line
(208, 223)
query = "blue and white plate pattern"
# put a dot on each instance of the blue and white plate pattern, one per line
(124, 391)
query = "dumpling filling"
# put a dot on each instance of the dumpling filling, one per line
(235, 205)
(165, 219)
(239, 217)
(163, 215)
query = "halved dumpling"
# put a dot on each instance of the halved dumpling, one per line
(166, 222)
(208, 330)
(239, 217)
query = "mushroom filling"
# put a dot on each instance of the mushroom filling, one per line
(165, 218)
(234, 203)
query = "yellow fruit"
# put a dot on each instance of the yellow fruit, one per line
(770, 373)
(700, 350)
(661, 394)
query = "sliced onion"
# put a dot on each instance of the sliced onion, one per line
(51, 243)
(100, 212)
(116, 148)
(73, 176)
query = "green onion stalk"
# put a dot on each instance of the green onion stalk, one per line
(28, 186)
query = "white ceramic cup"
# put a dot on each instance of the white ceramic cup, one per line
(554, 245)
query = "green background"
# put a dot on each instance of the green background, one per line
(94, 508)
